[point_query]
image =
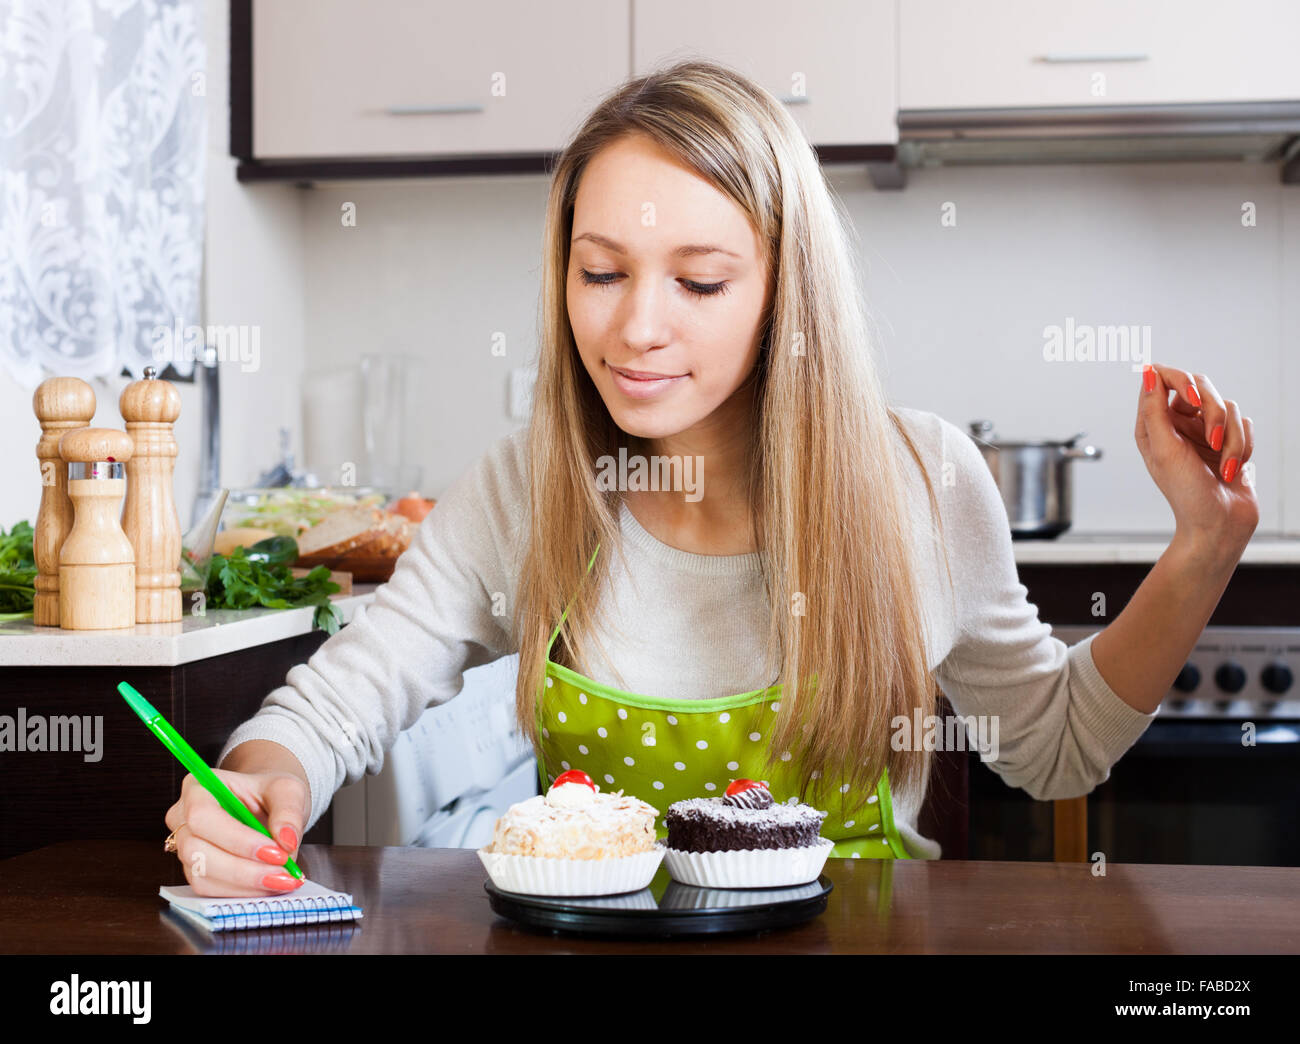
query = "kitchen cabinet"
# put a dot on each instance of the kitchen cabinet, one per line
(205, 675)
(1107, 52)
(322, 89)
(393, 78)
(831, 62)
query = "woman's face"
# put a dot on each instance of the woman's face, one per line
(666, 289)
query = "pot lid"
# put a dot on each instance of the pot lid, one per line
(982, 431)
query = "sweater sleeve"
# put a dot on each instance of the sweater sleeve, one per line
(409, 648)
(1059, 725)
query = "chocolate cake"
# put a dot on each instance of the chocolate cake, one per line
(746, 818)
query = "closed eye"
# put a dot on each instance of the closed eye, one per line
(697, 289)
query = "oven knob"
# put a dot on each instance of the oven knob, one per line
(1276, 677)
(1230, 677)
(1188, 678)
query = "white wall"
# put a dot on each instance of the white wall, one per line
(433, 269)
(962, 309)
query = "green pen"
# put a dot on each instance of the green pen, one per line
(171, 739)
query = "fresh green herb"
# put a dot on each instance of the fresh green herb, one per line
(276, 550)
(17, 571)
(240, 582)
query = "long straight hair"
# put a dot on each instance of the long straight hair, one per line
(825, 492)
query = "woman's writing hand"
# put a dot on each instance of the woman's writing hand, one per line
(1196, 449)
(222, 856)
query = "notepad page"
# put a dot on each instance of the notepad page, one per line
(207, 905)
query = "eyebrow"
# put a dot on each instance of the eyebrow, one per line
(689, 250)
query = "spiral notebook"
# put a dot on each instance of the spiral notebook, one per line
(310, 904)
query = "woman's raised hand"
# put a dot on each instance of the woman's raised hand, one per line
(1196, 448)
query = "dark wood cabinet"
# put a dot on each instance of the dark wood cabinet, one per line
(52, 796)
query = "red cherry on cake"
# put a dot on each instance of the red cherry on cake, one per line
(573, 776)
(737, 785)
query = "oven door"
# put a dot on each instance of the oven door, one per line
(1194, 792)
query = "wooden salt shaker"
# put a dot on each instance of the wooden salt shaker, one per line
(150, 408)
(96, 562)
(61, 404)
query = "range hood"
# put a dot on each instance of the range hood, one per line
(1266, 132)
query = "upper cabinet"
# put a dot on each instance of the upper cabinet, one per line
(336, 88)
(1024, 53)
(832, 62)
(398, 78)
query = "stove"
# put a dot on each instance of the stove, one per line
(1233, 674)
(1214, 780)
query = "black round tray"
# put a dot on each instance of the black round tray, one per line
(666, 908)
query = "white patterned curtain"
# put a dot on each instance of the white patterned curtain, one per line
(103, 142)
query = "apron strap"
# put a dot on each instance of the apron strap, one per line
(541, 765)
(555, 633)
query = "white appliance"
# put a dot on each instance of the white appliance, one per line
(447, 778)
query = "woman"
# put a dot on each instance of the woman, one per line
(811, 564)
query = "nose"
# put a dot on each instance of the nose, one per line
(645, 322)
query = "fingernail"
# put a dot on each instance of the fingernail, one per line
(288, 838)
(1216, 437)
(280, 882)
(1148, 378)
(1193, 395)
(1230, 469)
(271, 854)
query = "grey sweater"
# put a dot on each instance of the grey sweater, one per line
(1060, 727)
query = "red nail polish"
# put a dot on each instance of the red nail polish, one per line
(1216, 437)
(280, 882)
(273, 855)
(1193, 395)
(288, 838)
(1230, 469)
(1148, 378)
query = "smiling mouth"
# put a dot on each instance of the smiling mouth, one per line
(641, 375)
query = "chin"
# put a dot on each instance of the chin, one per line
(645, 429)
(649, 424)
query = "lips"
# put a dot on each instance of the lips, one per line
(642, 384)
(641, 375)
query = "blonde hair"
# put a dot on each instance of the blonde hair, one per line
(826, 496)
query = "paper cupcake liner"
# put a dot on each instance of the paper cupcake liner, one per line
(540, 875)
(751, 867)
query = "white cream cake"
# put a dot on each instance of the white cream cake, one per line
(573, 820)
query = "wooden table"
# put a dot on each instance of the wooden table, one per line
(100, 897)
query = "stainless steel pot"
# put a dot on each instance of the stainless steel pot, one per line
(1034, 479)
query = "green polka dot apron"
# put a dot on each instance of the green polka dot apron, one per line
(666, 750)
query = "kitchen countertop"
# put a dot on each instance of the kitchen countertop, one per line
(1084, 548)
(219, 631)
(228, 630)
(101, 897)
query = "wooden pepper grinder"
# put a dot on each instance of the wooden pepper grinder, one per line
(96, 562)
(62, 404)
(150, 408)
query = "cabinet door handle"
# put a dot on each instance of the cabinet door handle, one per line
(793, 99)
(1066, 59)
(433, 110)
